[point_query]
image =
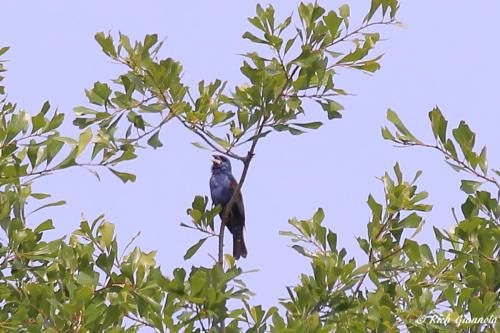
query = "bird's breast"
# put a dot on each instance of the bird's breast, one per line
(220, 189)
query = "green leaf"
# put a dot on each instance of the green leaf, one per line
(222, 142)
(412, 250)
(85, 278)
(4, 49)
(398, 173)
(469, 208)
(102, 90)
(332, 241)
(295, 131)
(289, 44)
(386, 134)
(65, 139)
(107, 231)
(281, 127)
(439, 124)
(370, 66)
(256, 22)
(52, 204)
(411, 221)
(465, 138)
(236, 131)
(154, 140)
(300, 249)
(44, 226)
(128, 154)
(375, 207)
(124, 176)
(125, 42)
(476, 308)
(243, 118)
(199, 145)
(82, 111)
(332, 109)
(40, 196)
(393, 118)
(284, 24)
(363, 244)
(417, 175)
(470, 186)
(84, 140)
(373, 9)
(198, 281)
(193, 249)
(450, 148)
(18, 123)
(344, 11)
(426, 253)
(355, 56)
(106, 43)
(319, 216)
(362, 269)
(439, 236)
(307, 59)
(483, 163)
(39, 121)
(287, 234)
(248, 35)
(312, 125)
(70, 160)
(54, 123)
(149, 41)
(332, 22)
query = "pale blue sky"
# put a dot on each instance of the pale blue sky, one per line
(447, 54)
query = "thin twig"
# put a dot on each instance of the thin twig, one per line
(390, 254)
(138, 320)
(311, 96)
(200, 320)
(357, 31)
(450, 157)
(202, 135)
(206, 231)
(387, 219)
(163, 121)
(127, 246)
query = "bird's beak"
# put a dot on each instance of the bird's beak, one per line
(216, 160)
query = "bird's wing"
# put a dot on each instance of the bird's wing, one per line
(239, 199)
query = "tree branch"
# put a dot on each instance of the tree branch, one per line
(450, 157)
(202, 135)
(357, 31)
(246, 164)
(387, 219)
(140, 321)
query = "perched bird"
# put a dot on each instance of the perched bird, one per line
(222, 186)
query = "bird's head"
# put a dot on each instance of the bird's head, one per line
(221, 163)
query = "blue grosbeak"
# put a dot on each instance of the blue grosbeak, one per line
(222, 186)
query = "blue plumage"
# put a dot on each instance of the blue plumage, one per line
(222, 186)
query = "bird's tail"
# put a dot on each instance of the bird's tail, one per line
(239, 247)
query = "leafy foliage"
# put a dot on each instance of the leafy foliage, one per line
(84, 283)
